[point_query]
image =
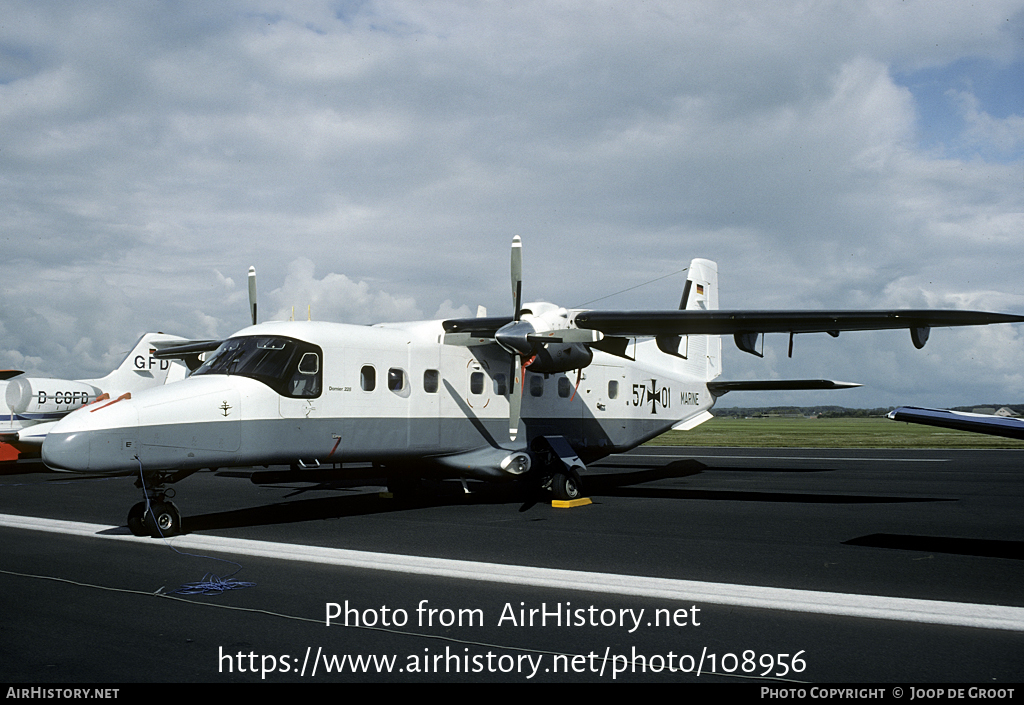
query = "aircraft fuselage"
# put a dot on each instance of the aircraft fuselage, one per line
(313, 393)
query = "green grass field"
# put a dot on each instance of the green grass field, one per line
(827, 433)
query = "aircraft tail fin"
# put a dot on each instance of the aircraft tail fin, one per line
(701, 290)
(140, 369)
(699, 355)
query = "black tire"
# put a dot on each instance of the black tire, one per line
(163, 520)
(136, 520)
(566, 486)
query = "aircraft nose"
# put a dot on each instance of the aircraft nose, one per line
(84, 441)
(66, 451)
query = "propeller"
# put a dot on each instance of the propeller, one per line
(516, 375)
(252, 293)
(527, 337)
(541, 336)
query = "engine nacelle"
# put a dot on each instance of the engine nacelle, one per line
(39, 397)
(561, 358)
(488, 463)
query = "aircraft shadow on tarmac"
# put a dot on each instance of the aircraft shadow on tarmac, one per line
(981, 548)
(356, 501)
(622, 485)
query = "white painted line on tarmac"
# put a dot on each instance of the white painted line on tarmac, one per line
(871, 606)
(780, 457)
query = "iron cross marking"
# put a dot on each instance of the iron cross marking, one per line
(655, 397)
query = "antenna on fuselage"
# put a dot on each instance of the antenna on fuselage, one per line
(252, 293)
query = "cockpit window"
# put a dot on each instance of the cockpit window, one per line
(309, 364)
(290, 367)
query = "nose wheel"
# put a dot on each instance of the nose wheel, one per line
(157, 517)
(160, 520)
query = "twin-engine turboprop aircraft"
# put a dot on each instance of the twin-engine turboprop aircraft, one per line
(34, 404)
(538, 394)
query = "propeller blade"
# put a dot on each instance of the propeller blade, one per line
(515, 397)
(466, 339)
(515, 392)
(517, 276)
(252, 293)
(566, 335)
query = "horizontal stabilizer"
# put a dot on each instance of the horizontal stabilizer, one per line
(776, 385)
(1005, 426)
(7, 374)
(690, 424)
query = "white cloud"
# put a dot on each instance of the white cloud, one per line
(335, 297)
(374, 159)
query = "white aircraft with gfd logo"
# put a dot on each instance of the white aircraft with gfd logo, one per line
(535, 395)
(34, 404)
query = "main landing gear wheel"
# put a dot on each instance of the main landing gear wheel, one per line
(162, 520)
(136, 523)
(566, 486)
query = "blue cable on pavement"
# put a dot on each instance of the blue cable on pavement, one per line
(210, 584)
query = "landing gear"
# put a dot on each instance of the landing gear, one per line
(559, 456)
(157, 517)
(566, 486)
(162, 520)
(136, 524)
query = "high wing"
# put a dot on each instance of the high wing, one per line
(745, 326)
(961, 420)
(654, 323)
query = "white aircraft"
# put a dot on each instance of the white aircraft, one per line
(534, 395)
(35, 404)
(1005, 426)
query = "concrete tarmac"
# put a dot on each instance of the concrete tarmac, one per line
(691, 565)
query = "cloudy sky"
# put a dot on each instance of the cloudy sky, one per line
(374, 159)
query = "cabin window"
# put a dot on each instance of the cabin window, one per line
(430, 381)
(368, 378)
(476, 383)
(564, 387)
(396, 379)
(500, 387)
(613, 389)
(536, 385)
